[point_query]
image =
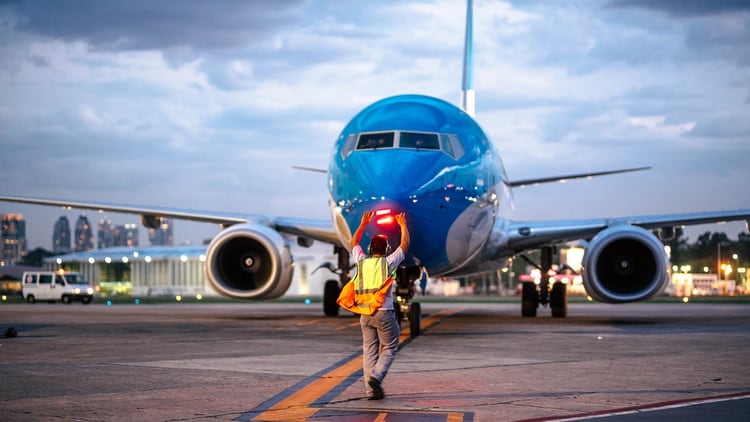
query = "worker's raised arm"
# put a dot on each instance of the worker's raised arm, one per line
(405, 242)
(357, 236)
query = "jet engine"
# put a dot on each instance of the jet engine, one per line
(249, 262)
(624, 264)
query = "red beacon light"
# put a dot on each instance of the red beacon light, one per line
(384, 217)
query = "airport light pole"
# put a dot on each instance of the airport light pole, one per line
(736, 265)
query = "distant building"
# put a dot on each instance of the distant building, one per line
(161, 270)
(125, 235)
(700, 285)
(84, 236)
(61, 236)
(111, 236)
(162, 236)
(104, 234)
(13, 238)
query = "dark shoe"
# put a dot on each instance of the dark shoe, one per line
(377, 390)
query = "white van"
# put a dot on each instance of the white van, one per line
(55, 285)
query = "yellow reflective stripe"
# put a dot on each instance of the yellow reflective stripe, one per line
(364, 292)
(360, 284)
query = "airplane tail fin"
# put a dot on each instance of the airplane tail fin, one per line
(467, 85)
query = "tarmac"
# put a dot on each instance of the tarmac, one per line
(288, 362)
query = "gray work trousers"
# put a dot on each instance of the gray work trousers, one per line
(380, 329)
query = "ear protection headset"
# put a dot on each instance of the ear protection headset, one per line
(379, 238)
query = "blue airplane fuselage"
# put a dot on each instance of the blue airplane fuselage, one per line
(429, 159)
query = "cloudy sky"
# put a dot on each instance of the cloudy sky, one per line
(207, 105)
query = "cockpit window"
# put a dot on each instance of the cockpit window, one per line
(418, 140)
(348, 146)
(421, 141)
(375, 140)
(452, 146)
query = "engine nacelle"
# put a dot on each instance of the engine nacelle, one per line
(249, 262)
(624, 264)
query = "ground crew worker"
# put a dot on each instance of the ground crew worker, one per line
(381, 328)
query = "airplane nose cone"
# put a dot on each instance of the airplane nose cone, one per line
(386, 175)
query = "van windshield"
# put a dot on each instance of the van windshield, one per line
(75, 279)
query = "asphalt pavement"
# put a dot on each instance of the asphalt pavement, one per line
(286, 361)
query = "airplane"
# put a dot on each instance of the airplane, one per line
(430, 159)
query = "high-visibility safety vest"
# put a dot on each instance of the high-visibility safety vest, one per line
(366, 292)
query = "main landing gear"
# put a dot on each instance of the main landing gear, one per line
(532, 296)
(405, 291)
(332, 288)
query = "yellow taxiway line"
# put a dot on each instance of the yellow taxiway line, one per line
(298, 405)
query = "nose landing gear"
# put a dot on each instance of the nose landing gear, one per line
(332, 288)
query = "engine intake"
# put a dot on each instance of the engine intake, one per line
(249, 262)
(624, 264)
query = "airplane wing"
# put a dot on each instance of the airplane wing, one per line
(623, 260)
(311, 169)
(321, 230)
(536, 181)
(525, 235)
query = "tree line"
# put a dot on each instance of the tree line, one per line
(704, 252)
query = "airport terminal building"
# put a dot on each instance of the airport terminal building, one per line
(166, 270)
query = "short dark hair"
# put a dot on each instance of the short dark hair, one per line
(379, 245)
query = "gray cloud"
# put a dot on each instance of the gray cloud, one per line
(147, 25)
(251, 88)
(685, 8)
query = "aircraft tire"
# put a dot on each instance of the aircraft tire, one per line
(529, 299)
(415, 319)
(330, 294)
(558, 300)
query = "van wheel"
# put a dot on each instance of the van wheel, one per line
(65, 299)
(30, 299)
(86, 300)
